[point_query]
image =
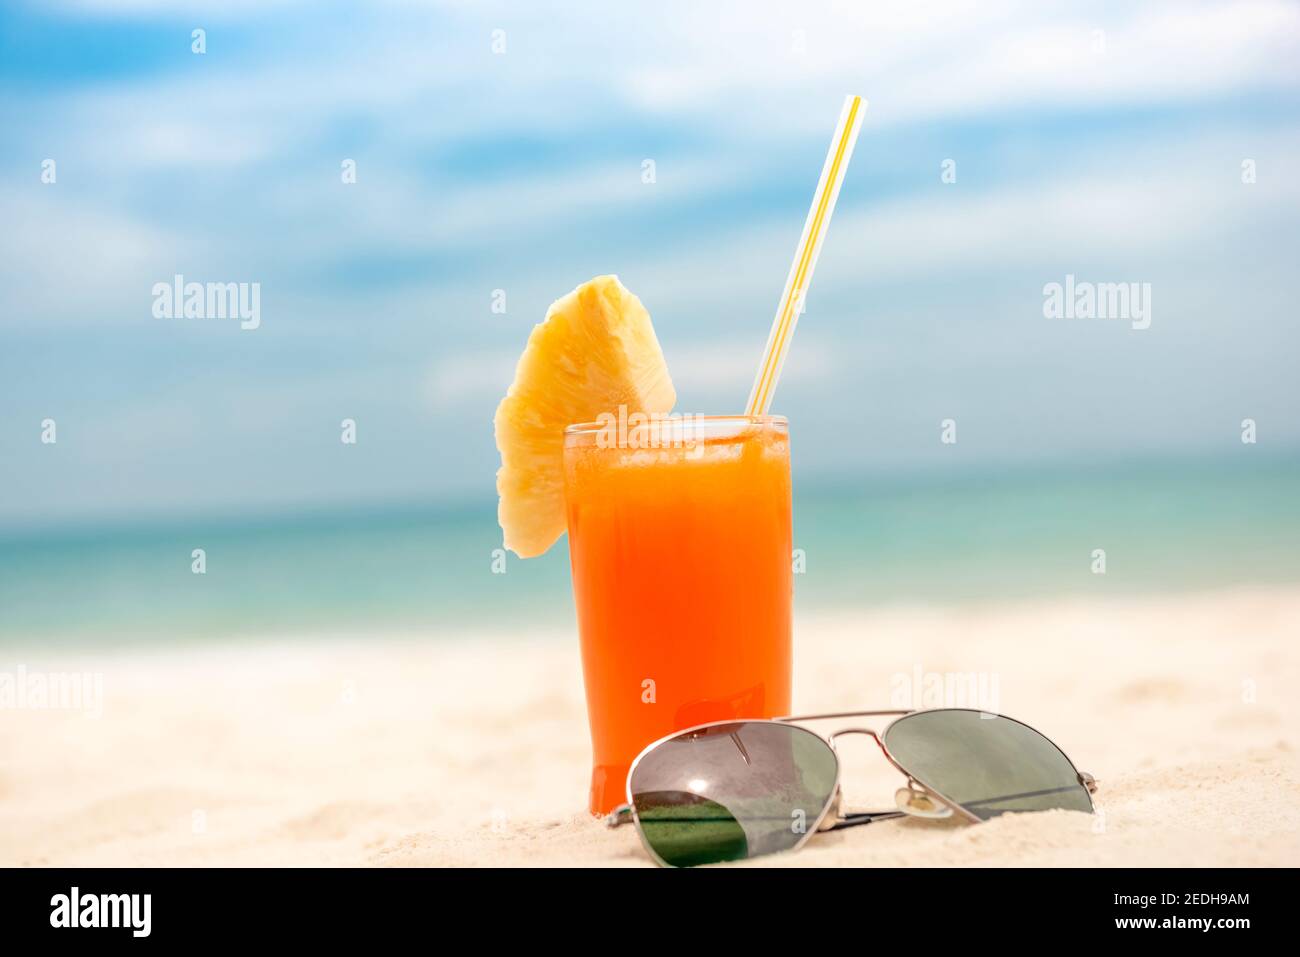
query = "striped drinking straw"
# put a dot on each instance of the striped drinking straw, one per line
(805, 257)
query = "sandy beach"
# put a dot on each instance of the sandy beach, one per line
(472, 750)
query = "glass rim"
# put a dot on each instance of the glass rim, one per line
(683, 420)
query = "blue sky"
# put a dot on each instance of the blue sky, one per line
(1100, 140)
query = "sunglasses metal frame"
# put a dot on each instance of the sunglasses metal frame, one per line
(625, 812)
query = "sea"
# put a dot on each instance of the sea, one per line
(437, 571)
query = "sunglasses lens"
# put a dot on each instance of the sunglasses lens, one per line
(732, 791)
(989, 765)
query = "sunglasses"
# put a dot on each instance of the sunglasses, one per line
(734, 790)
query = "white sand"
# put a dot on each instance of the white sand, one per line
(474, 751)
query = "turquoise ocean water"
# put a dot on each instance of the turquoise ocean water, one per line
(429, 571)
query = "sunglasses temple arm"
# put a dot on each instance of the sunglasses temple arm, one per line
(863, 817)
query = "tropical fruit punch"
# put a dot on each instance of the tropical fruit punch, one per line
(681, 575)
(679, 529)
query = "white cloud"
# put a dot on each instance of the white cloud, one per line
(1163, 199)
(731, 66)
(61, 259)
(915, 62)
(471, 375)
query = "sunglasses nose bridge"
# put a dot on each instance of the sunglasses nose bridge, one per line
(865, 731)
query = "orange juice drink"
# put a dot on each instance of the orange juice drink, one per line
(680, 543)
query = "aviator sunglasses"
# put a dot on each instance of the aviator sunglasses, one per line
(733, 790)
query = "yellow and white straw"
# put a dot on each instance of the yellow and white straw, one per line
(805, 257)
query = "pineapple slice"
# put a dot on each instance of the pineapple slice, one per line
(594, 351)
